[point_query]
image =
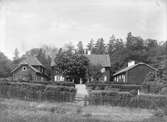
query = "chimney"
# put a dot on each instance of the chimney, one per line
(131, 63)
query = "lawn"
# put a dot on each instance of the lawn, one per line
(12, 110)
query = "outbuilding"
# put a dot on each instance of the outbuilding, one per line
(133, 74)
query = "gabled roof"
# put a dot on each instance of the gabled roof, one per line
(32, 60)
(131, 67)
(103, 60)
(34, 69)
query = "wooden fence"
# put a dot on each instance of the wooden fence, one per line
(37, 92)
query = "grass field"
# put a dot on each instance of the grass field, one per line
(12, 110)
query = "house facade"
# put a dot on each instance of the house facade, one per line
(30, 69)
(133, 74)
(103, 60)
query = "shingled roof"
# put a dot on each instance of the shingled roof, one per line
(103, 60)
(131, 67)
(30, 61)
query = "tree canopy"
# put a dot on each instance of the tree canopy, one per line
(72, 66)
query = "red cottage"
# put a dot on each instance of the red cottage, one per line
(30, 69)
(133, 74)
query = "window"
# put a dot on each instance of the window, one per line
(123, 77)
(24, 68)
(105, 78)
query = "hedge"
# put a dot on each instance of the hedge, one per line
(115, 98)
(109, 86)
(34, 91)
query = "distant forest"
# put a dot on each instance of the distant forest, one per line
(135, 48)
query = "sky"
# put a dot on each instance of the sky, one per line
(26, 24)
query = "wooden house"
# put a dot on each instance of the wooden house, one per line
(103, 60)
(30, 69)
(133, 74)
(55, 76)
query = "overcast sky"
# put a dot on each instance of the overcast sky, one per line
(26, 24)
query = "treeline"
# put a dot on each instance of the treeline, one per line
(135, 48)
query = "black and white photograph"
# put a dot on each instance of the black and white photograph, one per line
(83, 60)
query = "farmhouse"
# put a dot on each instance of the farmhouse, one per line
(133, 74)
(30, 69)
(103, 60)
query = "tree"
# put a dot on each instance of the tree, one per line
(72, 66)
(134, 43)
(5, 66)
(151, 43)
(90, 46)
(100, 46)
(80, 47)
(69, 47)
(94, 72)
(16, 54)
(50, 50)
(153, 83)
(111, 44)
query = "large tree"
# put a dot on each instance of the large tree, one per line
(100, 46)
(72, 66)
(5, 66)
(94, 72)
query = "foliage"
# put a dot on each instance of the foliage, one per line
(94, 72)
(80, 48)
(72, 66)
(5, 66)
(153, 83)
(100, 46)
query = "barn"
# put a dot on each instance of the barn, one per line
(133, 74)
(30, 69)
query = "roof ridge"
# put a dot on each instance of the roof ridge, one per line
(131, 67)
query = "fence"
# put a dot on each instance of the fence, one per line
(109, 86)
(127, 100)
(37, 92)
